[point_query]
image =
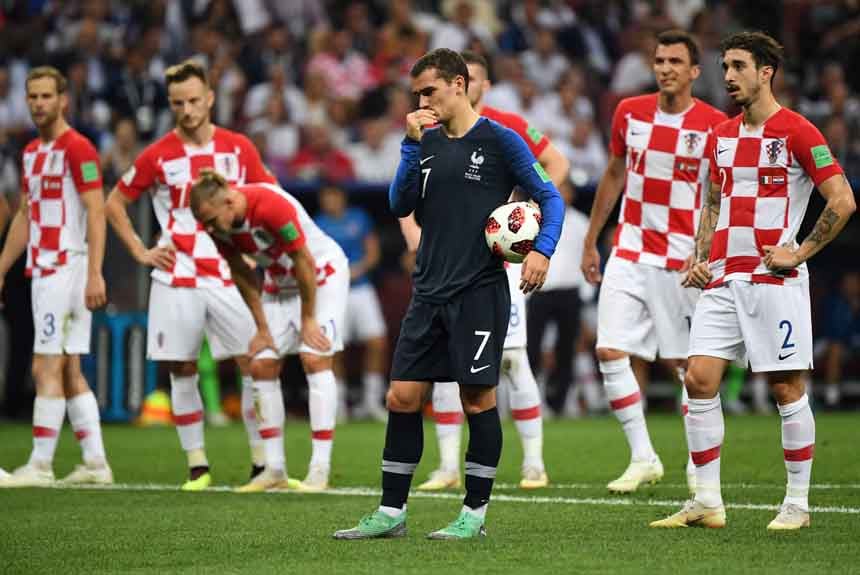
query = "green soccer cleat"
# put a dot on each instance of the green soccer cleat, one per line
(200, 484)
(466, 526)
(377, 525)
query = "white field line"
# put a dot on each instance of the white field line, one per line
(780, 487)
(497, 497)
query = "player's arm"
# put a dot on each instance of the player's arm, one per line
(838, 209)
(93, 200)
(371, 256)
(608, 191)
(530, 175)
(16, 240)
(556, 164)
(116, 209)
(5, 212)
(246, 283)
(305, 272)
(403, 191)
(699, 273)
(411, 232)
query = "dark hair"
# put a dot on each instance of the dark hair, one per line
(185, 70)
(47, 72)
(764, 49)
(472, 57)
(447, 63)
(675, 36)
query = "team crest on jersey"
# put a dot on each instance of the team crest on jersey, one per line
(692, 140)
(228, 166)
(473, 171)
(773, 150)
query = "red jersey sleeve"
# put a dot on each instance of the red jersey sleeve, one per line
(617, 140)
(257, 173)
(711, 156)
(813, 153)
(83, 161)
(534, 138)
(140, 177)
(280, 218)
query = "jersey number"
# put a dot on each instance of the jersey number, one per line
(785, 343)
(486, 336)
(426, 173)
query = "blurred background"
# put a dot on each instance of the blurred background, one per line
(321, 87)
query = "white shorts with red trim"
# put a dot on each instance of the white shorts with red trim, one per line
(364, 319)
(770, 325)
(179, 318)
(643, 310)
(61, 319)
(284, 313)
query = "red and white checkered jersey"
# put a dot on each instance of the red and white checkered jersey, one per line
(275, 226)
(55, 174)
(666, 168)
(168, 167)
(766, 176)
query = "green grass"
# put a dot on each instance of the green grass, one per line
(579, 531)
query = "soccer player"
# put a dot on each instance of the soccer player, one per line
(755, 301)
(61, 224)
(302, 311)
(657, 156)
(352, 228)
(192, 292)
(525, 396)
(454, 175)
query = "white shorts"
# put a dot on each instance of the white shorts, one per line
(643, 310)
(516, 336)
(284, 314)
(179, 317)
(61, 319)
(771, 324)
(364, 319)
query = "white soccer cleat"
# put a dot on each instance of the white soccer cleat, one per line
(691, 482)
(534, 478)
(637, 473)
(30, 475)
(316, 479)
(790, 518)
(694, 514)
(441, 479)
(89, 475)
(3, 474)
(265, 480)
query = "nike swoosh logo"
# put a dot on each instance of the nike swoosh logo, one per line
(782, 357)
(721, 150)
(428, 158)
(632, 133)
(482, 368)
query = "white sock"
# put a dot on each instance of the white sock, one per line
(525, 409)
(249, 417)
(187, 408)
(705, 432)
(685, 408)
(798, 446)
(322, 406)
(448, 414)
(622, 391)
(479, 511)
(84, 416)
(584, 376)
(48, 414)
(392, 511)
(373, 384)
(271, 416)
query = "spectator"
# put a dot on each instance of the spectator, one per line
(121, 153)
(633, 73)
(318, 159)
(544, 64)
(345, 70)
(460, 27)
(376, 156)
(557, 113)
(846, 151)
(586, 152)
(136, 94)
(842, 333)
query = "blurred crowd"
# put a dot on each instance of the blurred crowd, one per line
(321, 87)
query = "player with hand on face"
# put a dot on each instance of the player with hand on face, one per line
(755, 304)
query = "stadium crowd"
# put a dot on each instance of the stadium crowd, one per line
(321, 88)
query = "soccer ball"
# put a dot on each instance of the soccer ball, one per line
(511, 230)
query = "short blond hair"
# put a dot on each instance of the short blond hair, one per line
(208, 186)
(47, 72)
(185, 70)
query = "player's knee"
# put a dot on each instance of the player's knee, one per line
(313, 363)
(477, 400)
(182, 368)
(404, 399)
(787, 387)
(608, 354)
(265, 369)
(699, 384)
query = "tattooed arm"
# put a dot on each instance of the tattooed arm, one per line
(698, 275)
(840, 205)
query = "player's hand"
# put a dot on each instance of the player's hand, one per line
(698, 275)
(534, 271)
(591, 265)
(261, 340)
(313, 335)
(418, 120)
(95, 294)
(778, 258)
(161, 257)
(688, 263)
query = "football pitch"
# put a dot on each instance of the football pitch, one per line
(144, 525)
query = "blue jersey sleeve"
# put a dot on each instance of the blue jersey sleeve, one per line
(531, 176)
(403, 192)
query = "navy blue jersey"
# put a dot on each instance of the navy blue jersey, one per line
(349, 231)
(454, 184)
